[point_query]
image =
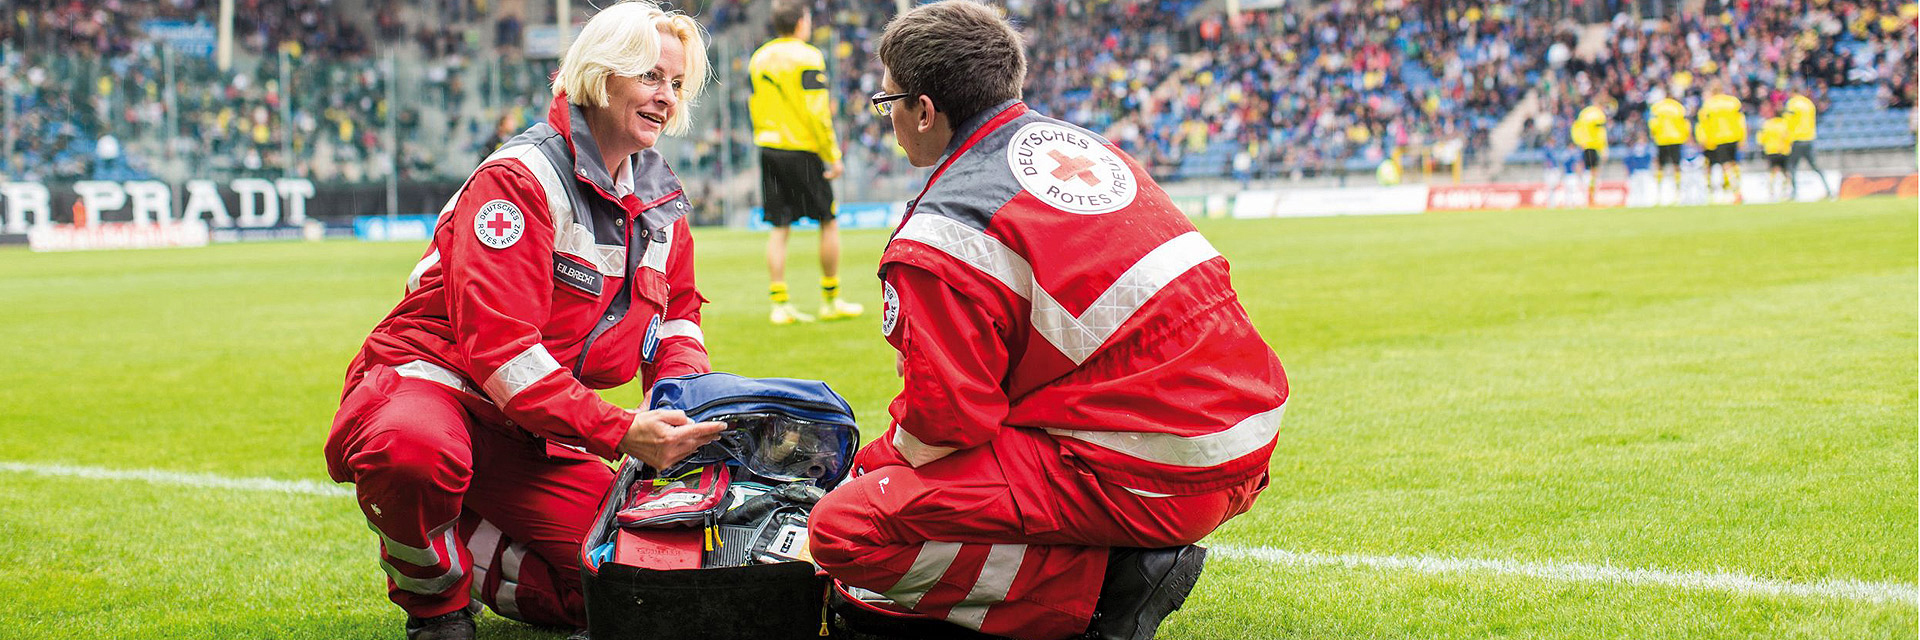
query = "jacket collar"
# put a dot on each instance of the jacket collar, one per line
(571, 122)
(970, 132)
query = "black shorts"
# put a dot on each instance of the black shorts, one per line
(1802, 152)
(1591, 157)
(794, 185)
(1777, 161)
(1668, 156)
(1723, 154)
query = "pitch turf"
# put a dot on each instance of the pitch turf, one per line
(1726, 395)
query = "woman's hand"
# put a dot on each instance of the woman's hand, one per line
(664, 437)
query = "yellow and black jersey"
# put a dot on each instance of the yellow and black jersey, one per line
(790, 106)
(1590, 129)
(1800, 119)
(1721, 121)
(1668, 122)
(1774, 138)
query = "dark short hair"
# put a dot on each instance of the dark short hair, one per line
(962, 54)
(787, 15)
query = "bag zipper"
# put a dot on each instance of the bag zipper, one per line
(804, 404)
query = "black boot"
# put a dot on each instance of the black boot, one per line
(450, 626)
(1142, 587)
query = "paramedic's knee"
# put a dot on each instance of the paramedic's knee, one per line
(408, 458)
(841, 526)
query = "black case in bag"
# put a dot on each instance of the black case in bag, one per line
(751, 602)
(785, 600)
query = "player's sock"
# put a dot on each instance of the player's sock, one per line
(778, 292)
(829, 288)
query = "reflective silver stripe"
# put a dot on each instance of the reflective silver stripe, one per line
(682, 329)
(1077, 337)
(423, 370)
(967, 245)
(523, 370)
(425, 587)
(656, 255)
(504, 600)
(423, 557)
(418, 556)
(1182, 451)
(996, 579)
(916, 451)
(928, 566)
(413, 279)
(569, 235)
(483, 545)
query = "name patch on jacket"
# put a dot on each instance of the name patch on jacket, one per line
(1070, 170)
(577, 275)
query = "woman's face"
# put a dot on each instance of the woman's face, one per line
(638, 108)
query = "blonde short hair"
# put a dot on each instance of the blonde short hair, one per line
(624, 39)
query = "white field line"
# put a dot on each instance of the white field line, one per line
(175, 478)
(1575, 572)
(1570, 572)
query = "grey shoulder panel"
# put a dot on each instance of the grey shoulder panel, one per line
(979, 182)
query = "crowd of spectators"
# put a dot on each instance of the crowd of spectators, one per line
(1302, 89)
(1305, 88)
(1761, 51)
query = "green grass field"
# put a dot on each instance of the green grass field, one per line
(1717, 403)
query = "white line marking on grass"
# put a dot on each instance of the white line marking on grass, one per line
(1575, 572)
(1732, 582)
(198, 480)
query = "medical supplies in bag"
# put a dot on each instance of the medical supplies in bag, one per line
(716, 547)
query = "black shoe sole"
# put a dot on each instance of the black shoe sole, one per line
(1180, 580)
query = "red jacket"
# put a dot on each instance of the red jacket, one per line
(541, 284)
(1043, 281)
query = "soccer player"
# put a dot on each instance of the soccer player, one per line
(1084, 397)
(1590, 134)
(1722, 128)
(1801, 131)
(1667, 122)
(469, 425)
(1776, 143)
(799, 156)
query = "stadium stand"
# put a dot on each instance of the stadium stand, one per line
(1289, 90)
(1855, 59)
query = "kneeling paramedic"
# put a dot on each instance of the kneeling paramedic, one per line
(468, 424)
(1084, 395)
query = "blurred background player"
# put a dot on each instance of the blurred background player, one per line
(799, 156)
(1775, 143)
(1590, 134)
(1800, 133)
(1722, 126)
(1667, 122)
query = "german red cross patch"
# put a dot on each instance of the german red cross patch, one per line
(1070, 170)
(499, 224)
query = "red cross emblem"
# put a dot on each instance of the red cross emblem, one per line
(1074, 167)
(499, 224)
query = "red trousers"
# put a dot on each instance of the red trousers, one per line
(1009, 538)
(465, 507)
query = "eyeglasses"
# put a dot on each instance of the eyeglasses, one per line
(653, 79)
(883, 102)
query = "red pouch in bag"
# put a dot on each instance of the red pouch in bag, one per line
(686, 500)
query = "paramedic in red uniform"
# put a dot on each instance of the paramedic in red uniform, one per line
(1084, 395)
(469, 425)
